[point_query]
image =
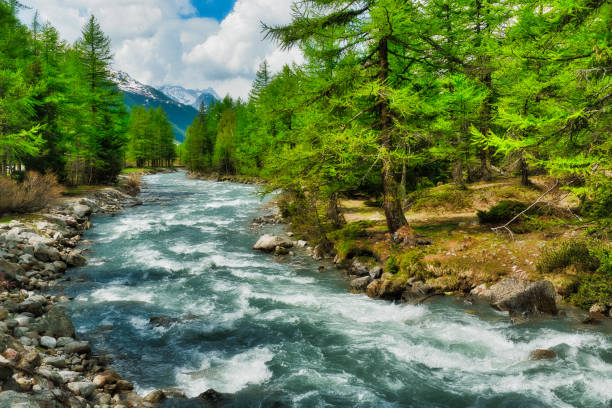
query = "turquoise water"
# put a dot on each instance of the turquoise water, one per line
(281, 334)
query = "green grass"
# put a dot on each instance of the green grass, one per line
(135, 170)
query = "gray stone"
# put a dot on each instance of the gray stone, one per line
(62, 341)
(522, 298)
(268, 243)
(77, 347)
(376, 272)
(55, 323)
(46, 253)
(81, 210)
(12, 399)
(360, 285)
(48, 342)
(359, 269)
(82, 388)
(10, 270)
(55, 361)
(68, 376)
(416, 292)
(75, 258)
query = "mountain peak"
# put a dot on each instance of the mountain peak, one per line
(191, 97)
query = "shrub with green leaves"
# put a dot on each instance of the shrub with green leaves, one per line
(504, 211)
(571, 252)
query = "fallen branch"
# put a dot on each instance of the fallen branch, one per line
(505, 226)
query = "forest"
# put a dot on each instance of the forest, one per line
(395, 96)
(61, 111)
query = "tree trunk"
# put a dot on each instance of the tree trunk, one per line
(524, 171)
(458, 173)
(392, 203)
(333, 212)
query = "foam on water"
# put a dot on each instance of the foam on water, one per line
(281, 334)
(226, 374)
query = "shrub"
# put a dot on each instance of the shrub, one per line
(132, 184)
(352, 231)
(33, 194)
(571, 252)
(392, 266)
(504, 211)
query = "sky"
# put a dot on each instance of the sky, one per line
(193, 43)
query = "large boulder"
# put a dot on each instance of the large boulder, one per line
(75, 258)
(388, 289)
(520, 297)
(55, 323)
(9, 270)
(417, 292)
(268, 243)
(360, 285)
(81, 210)
(46, 253)
(359, 269)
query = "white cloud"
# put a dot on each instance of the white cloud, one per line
(162, 42)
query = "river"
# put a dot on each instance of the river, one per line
(282, 334)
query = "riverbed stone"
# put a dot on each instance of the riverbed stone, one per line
(268, 243)
(359, 285)
(46, 253)
(48, 342)
(521, 297)
(55, 361)
(56, 323)
(77, 347)
(75, 259)
(542, 354)
(81, 210)
(82, 388)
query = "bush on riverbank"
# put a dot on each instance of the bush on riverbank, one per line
(33, 194)
(581, 270)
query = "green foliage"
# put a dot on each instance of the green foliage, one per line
(392, 265)
(352, 231)
(503, 212)
(575, 252)
(150, 138)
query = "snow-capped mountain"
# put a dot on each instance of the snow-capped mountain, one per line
(138, 94)
(191, 97)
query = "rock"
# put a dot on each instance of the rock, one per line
(522, 298)
(57, 362)
(359, 269)
(56, 323)
(155, 397)
(4, 314)
(60, 266)
(12, 399)
(301, 244)
(9, 270)
(542, 354)
(106, 377)
(416, 292)
(77, 347)
(268, 243)
(594, 318)
(597, 309)
(376, 272)
(62, 341)
(68, 376)
(82, 388)
(405, 236)
(48, 342)
(123, 385)
(359, 285)
(81, 210)
(388, 289)
(75, 258)
(34, 304)
(46, 253)
(211, 395)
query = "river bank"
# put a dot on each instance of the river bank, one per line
(43, 362)
(177, 297)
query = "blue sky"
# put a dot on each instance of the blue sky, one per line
(217, 9)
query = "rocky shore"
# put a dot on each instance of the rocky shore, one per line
(520, 298)
(42, 361)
